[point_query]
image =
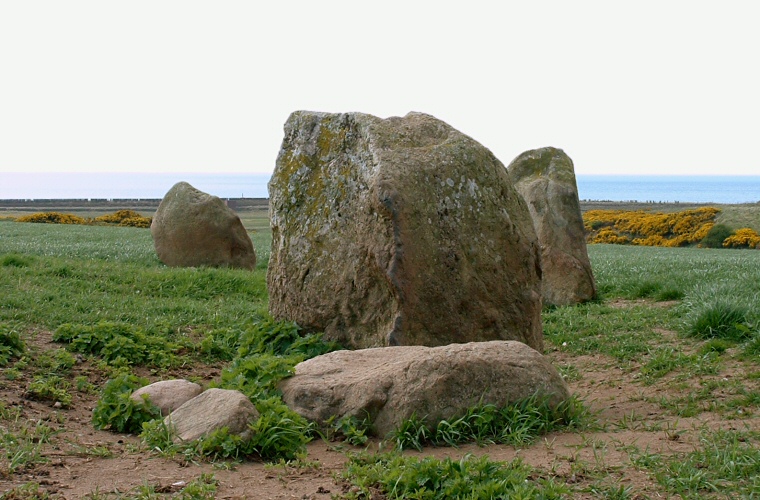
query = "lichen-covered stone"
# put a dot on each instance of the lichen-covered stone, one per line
(192, 228)
(399, 231)
(388, 385)
(546, 179)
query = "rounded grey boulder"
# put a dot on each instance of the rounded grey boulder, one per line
(192, 228)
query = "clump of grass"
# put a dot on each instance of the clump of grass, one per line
(15, 260)
(720, 320)
(399, 476)
(516, 424)
(50, 388)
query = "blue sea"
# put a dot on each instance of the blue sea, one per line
(697, 189)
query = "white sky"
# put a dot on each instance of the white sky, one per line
(645, 87)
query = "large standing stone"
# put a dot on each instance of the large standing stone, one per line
(399, 231)
(212, 410)
(192, 228)
(546, 179)
(390, 384)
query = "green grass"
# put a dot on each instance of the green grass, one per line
(104, 295)
(89, 274)
(726, 465)
(398, 476)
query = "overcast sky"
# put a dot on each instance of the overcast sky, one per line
(645, 87)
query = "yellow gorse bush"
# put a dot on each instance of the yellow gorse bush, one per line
(649, 228)
(121, 218)
(125, 218)
(743, 238)
(53, 218)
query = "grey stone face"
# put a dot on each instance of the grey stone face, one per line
(546, 179)
(192, 228)
(399, 231)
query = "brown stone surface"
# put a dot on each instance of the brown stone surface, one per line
(212, 410)
(546, 179)
(391, 384)
(399, 231)
(168, 395)
(192, 228)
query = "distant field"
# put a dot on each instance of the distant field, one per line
(254, 211)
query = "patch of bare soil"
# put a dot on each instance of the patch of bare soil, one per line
(79, 460)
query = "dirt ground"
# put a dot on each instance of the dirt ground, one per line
(75, 469)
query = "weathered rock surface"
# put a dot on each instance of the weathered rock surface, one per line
(168, 395)
(399, 231)
(192, 228)
(390, 384)
(212, 410)
(546, 179)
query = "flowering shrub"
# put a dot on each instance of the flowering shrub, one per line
(743, 238)
(118, 216)
(136, 222)
(53, 218)
(649, 228)
(121, 218)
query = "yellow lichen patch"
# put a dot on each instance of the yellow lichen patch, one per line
(743, 238)
(52, 218)
(649, 228)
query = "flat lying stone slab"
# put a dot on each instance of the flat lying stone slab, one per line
(390, 384)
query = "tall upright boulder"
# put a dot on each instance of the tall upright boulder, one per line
(399, 231)
(546, 179)
(192, 228)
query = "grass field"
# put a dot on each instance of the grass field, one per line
(667, 362)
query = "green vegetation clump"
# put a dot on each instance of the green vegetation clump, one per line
(721, 320)
(399, 476)
(268, 352)
(118, 343)
(11, 344)
(716, 236)
(50, 388)
(517, 424)
(117, 411)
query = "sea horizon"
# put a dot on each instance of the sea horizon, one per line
(139, 186)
